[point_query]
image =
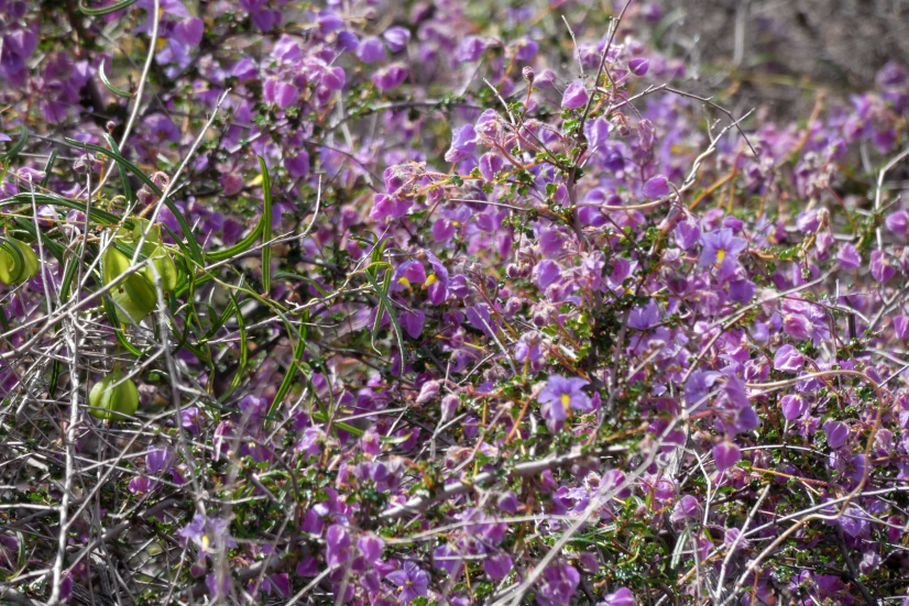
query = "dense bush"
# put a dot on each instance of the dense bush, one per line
(439, 302)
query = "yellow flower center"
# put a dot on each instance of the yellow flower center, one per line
(720, 255)
(205, 542)
(566, 400)
(430, 280)
(404, 282)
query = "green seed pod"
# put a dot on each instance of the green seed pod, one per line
(140, 225)
(18, 262)
(135, 296)
(154, 248)
(164, 265)
(113, 397)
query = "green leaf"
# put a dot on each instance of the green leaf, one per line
(244, 345)
(124, 177)
(266, 227)
(104, 10)
(385, 305)
(107, 83)
(111, 312)
(16, 147)
(48, 167)
(288, 380)
(94, 214)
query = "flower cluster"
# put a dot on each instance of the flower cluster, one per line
(451, 313)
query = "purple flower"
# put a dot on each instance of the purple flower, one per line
(348, 41)
(854, 522)
(547, 272)
(470, 49)
(190, 419)
(788, 359)
(508, 502)
(837, 433)
(407, 274)
(480, 318)
(396, 37)
(793, 406)
(644, 317)
(656, 187)
(411, 581)
(328, 21)
(436, 283)
(901, 326)
(686, 234)
(282, 94)
(428, 392)
(231, 184)
(297, 165)
(848, 257)
(160, 128)
(638, 66)
(463, 144)
(796, 326)
(732, 537)
(721, 248)
(551, 241)
(266, 20)
(621, 597)
(218, 583)
(448, 559)
(561, 394)
(699, 384)
(412, 323)
(726, 454)
(390, 76)
(881, 269)
(209, 534)
(189, 31)
(141, 484)
(687, 508)
(527, 349)
(525, 49)
(741, 291)
(371, 50)
(370, 547)
(559, 582)
(898, 222)
(158, 460)
(337, 546)
(490, 164)
(497, 566)
(575, 95)
(597, 133)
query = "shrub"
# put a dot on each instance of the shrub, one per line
(439, 302)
